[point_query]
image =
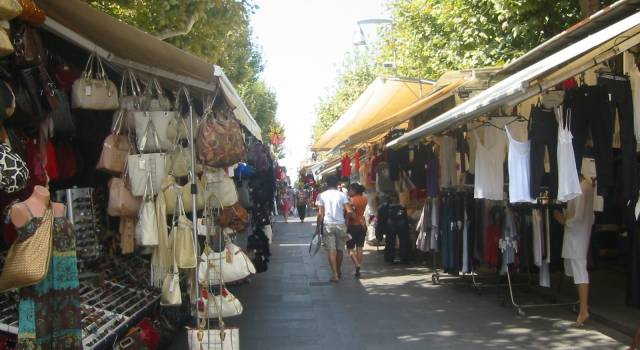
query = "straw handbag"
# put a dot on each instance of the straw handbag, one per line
(27, 262)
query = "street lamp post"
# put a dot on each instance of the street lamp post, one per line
(362, 38)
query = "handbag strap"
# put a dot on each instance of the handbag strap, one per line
(143, 140)
(129, 78)
(148, 184)
(117, 126)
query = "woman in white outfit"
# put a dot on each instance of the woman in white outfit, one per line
(578, 220)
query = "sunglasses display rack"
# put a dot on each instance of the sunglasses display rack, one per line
(86, 212)
(110, 304)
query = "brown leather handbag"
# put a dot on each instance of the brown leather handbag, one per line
(115, 149)
(28, 47)
(220, 142)
(31, 12)
(234, 217)
(121, 201)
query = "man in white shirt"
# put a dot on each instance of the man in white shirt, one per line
(332, 205)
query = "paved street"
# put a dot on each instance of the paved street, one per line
(390, 307)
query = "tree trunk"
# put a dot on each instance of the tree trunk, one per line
(589, 7)
(170, 33)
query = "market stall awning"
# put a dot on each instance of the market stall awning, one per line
(127, 46)
(380, 101)
(538, 77)
(439, 94)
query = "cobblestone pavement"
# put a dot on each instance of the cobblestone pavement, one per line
(291, 306)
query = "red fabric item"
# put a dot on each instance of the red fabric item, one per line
(37, 172)
(356, 160)
(65, 159)
(491, 245)
(66, 75)
(149, 335)
(279, 173)
(52, 162)
(345, 166)
(569, 84)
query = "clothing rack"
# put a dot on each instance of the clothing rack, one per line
(521, 306)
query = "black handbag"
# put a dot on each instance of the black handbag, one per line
(63, 121)
(30, 109)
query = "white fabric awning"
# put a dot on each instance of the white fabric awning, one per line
(538, 77)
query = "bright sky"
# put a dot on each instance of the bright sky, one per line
(304, 43)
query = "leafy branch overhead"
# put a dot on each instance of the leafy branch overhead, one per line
(216, 30)
(430, 37)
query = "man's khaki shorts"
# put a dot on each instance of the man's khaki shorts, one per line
(334, 236)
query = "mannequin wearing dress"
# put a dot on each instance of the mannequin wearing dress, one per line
(49, 312)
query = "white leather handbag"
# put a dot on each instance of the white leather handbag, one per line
(94, 90)
(147, 226)
(141, 166)
(221, 186)
(228, 304)
(171, 293)
(236, 265)
(153, 98)
(130, 97)
(214, 339)
(160, 121)
(184, 251)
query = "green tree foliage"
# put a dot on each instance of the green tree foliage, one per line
(216, 30)
(429, 37)
(353, 79)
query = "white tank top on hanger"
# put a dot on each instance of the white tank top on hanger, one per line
(568, 180)
(489, 176)
(519, 169)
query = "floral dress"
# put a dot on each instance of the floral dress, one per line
(49, 312)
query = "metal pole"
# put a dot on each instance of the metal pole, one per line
(194, 192)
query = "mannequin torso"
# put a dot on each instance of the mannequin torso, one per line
(37, 203)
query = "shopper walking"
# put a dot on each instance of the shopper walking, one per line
(301, 204)
(332, 205)
(285, 197)
(356, 225)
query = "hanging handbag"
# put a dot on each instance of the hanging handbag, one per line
(28, 46)
(115, 149)
(10, 9)
(127, 232)
(234, 217)
(178, 128)
(173, 193)
(140, 166)
(63, 121)
(179, 161)
(183, 246)
(121, 201)
(244, 196)
(153, 98)
(228, 304)
(27, 261)
(14, 173)
(147, 227)
(158, 121)
(220, 142)
(31, 109)
(221, 186)
(130, 98)
(227, 338)
(236, 265)
(94, 91)
(31, 12)
(171, 294)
